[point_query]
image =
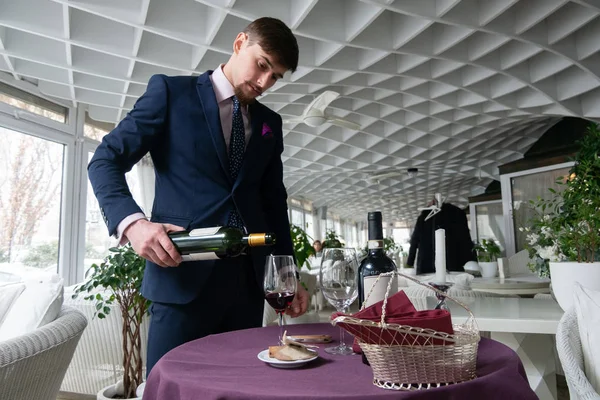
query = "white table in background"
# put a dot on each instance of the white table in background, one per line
(527, 326)
(520, 284)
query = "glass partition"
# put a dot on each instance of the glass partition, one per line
(489, 223)
(530, 187)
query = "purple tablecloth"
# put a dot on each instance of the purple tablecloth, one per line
(226, 367)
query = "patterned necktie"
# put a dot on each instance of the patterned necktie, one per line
(237, 143)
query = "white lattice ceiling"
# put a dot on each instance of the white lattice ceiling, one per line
(452, 87)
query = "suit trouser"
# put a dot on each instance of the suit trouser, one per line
(230, 300)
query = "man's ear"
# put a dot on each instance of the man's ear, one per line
(239, 41)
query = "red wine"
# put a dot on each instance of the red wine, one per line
(280, 300)
(376, 262)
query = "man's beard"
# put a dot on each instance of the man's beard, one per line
(244, 99)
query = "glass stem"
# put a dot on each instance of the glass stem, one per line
(280, 314)
(342, 342)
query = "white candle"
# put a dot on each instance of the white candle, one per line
(440, 256)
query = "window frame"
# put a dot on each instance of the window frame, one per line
(69, 135)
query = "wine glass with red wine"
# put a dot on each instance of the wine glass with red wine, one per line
(280, 285)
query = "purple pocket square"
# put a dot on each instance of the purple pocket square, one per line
(266, 131)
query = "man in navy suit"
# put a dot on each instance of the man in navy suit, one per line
(217, 159)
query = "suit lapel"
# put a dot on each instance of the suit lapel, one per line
(251, 153)
(213, 119)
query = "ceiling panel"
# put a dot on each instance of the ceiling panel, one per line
(454, 87)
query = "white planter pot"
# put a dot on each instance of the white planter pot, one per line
(488, 269)
(109, 392)
(565, 274)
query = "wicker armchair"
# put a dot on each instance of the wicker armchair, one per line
(568, 344)
(32, 366)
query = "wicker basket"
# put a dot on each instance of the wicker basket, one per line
(417, 358)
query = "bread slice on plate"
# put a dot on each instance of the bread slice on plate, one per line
(290, 352)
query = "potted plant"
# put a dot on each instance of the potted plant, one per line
(488, 252)
(303, 248)
(563, 237)
(332, 240)
(120, 274)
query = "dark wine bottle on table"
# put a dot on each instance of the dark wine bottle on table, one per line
(217, 242)
(376, 263)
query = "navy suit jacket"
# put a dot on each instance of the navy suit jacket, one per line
(177, 120)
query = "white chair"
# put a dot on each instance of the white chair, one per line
(568, 344)
(33, 365)
(310, 281)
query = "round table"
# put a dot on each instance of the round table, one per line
(523, 285)
(226, 367)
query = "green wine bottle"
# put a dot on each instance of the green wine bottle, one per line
(217, 242)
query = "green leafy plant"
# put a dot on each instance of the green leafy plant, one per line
(121, 274)
(487, 250)
(566, 227)
(332, 240)
(390, 245)
(303, 248)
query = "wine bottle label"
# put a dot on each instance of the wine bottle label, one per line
(379, 289)
(200, 257)
(204, 231)
(375, 244)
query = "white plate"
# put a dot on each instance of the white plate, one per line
(264, 356)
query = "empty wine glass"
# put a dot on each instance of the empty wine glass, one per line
(280, 285)
(337, 279)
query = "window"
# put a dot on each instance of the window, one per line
(34, 104)
(31, 174)
(490, 223)
(95, 129)
(310, 230)
(529, 187)
(97, 240)
(402, 237)
(298, 218)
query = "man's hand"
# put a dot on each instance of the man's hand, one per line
(150, 240)
(300, 303)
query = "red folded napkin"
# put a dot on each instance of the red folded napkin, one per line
(399, 310)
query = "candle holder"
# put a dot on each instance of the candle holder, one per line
(442, 287)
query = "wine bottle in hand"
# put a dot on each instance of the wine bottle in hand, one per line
(217, 242)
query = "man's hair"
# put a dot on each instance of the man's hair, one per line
(316, 241)
(276, 39)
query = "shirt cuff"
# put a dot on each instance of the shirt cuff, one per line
(124, 224)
